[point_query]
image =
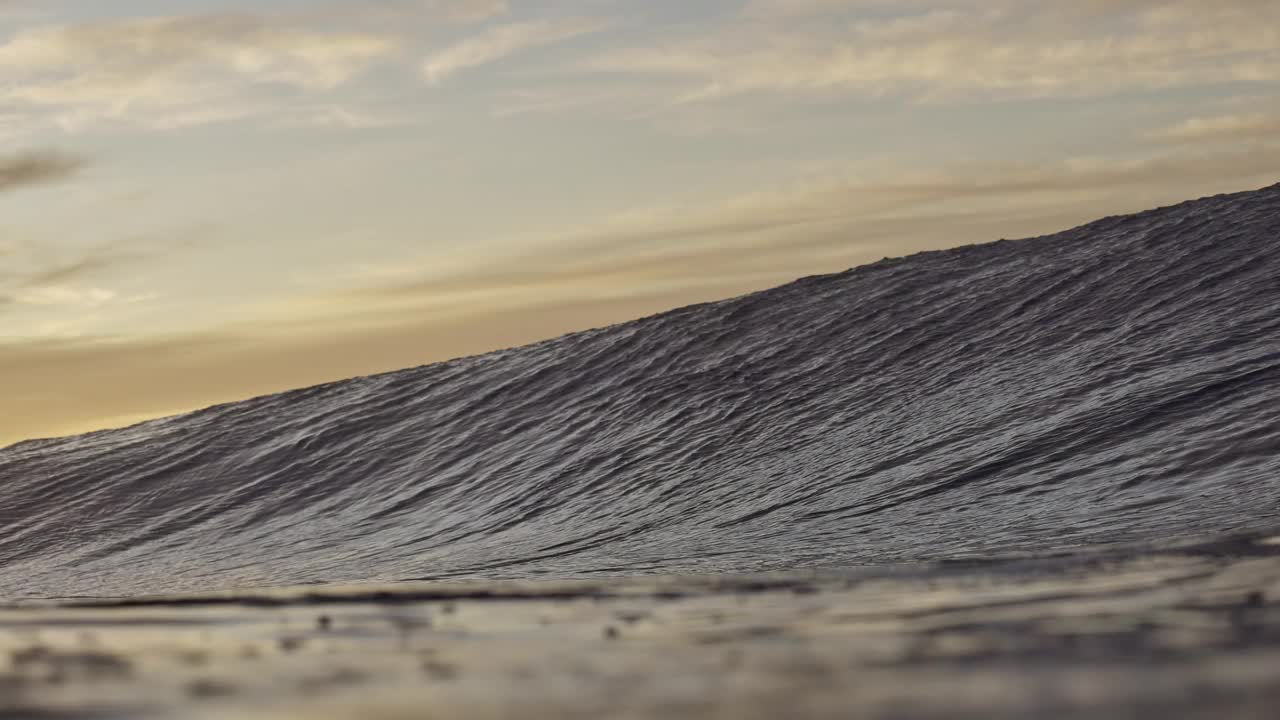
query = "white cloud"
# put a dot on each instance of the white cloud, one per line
(500, 42)
(340, 117)
(62, 295)
(72, 296)
(963, 49)
(175, 71)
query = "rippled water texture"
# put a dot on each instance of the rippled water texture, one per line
(1119, 382)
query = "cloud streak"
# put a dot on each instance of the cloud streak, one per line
(500, 42)
(754, 240)
(53, 291)
(961, 50)
(174, 71)
(1222, 128)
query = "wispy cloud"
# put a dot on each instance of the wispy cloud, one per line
(694, 251)
(70, 296)
(171, 71)
(962, 49)
(37, 168)
(31, 265)
(500, 42)
(340, 116)
(54, 290)
(1222, 128)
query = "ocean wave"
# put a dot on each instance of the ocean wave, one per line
(1119, 382)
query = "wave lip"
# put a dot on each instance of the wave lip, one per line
(1119, 382)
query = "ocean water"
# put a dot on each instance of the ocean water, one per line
(1115, 383)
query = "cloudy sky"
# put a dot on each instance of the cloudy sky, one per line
(201, 200)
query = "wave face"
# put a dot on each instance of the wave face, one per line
(1119, 382)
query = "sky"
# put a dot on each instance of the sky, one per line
(203, 200)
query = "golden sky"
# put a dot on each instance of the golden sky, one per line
(201, 200)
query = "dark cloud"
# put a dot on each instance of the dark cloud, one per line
(39, 167)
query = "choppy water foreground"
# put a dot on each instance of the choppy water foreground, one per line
(1188, 633)
(1117, 382)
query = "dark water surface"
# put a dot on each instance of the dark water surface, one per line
(1115, 383)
